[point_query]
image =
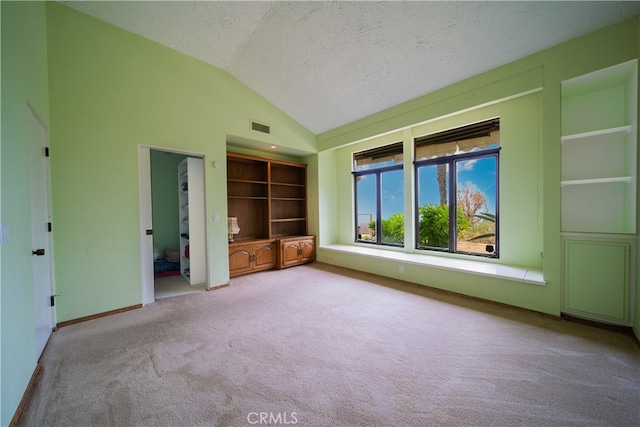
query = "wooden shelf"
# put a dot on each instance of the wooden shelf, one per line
(246, 181)
(247, 198)
(269, 198)
(288, 184)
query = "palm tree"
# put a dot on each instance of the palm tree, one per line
(442, 183)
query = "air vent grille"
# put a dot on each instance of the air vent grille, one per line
(260, 127)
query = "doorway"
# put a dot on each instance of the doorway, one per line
(167, 254)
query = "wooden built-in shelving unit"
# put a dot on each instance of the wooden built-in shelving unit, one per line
(269, 198)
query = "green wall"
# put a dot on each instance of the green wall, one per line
(636, 323)
(164, 197)
(110, 92)
(24, 80)
(541, 174)
(106, 91)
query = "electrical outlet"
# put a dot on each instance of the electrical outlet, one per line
(216, 217)
(401, 268)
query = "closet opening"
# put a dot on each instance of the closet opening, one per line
(174, 237)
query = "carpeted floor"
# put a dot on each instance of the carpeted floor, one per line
(318, 345)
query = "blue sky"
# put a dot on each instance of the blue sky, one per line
(480, 172)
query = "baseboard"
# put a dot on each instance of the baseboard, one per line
(213, 288)
(97, 316)
(25, 397)
(601, 325)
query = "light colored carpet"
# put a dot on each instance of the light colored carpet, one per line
(171, 286)
(318, 345)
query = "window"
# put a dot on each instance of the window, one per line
(379, 195)
(457, 189)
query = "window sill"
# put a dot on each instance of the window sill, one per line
(516, 274)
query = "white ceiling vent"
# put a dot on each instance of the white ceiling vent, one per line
(260, 127)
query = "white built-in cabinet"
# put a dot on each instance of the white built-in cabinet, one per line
(191, 219)
(599, 163)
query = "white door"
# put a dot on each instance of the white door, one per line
(146, 225)
(40, 235)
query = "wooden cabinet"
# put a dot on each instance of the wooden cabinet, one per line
(250, 257)
(191, 220)
(269, 199)
(296, 250)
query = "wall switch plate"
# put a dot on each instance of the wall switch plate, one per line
(216, 217)
(4, 234)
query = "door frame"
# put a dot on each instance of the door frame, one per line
(51, 315)
(146, 221)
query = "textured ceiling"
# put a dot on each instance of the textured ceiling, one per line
(329, 63)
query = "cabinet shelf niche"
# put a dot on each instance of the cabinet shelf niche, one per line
(599, 114)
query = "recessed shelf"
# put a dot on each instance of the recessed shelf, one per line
(623, 179)
(595, 133)
(599, 151)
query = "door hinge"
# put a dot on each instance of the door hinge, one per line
(49, 227)
(46, 151)
(53, 300)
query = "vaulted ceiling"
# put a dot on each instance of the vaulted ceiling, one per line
(327, 64)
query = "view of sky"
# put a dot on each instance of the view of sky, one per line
(480, 172)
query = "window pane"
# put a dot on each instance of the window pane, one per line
(366, 206)
(433, 206)
(476, 188)
(392, 204)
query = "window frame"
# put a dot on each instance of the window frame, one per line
(452, 196)
(378, 231)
